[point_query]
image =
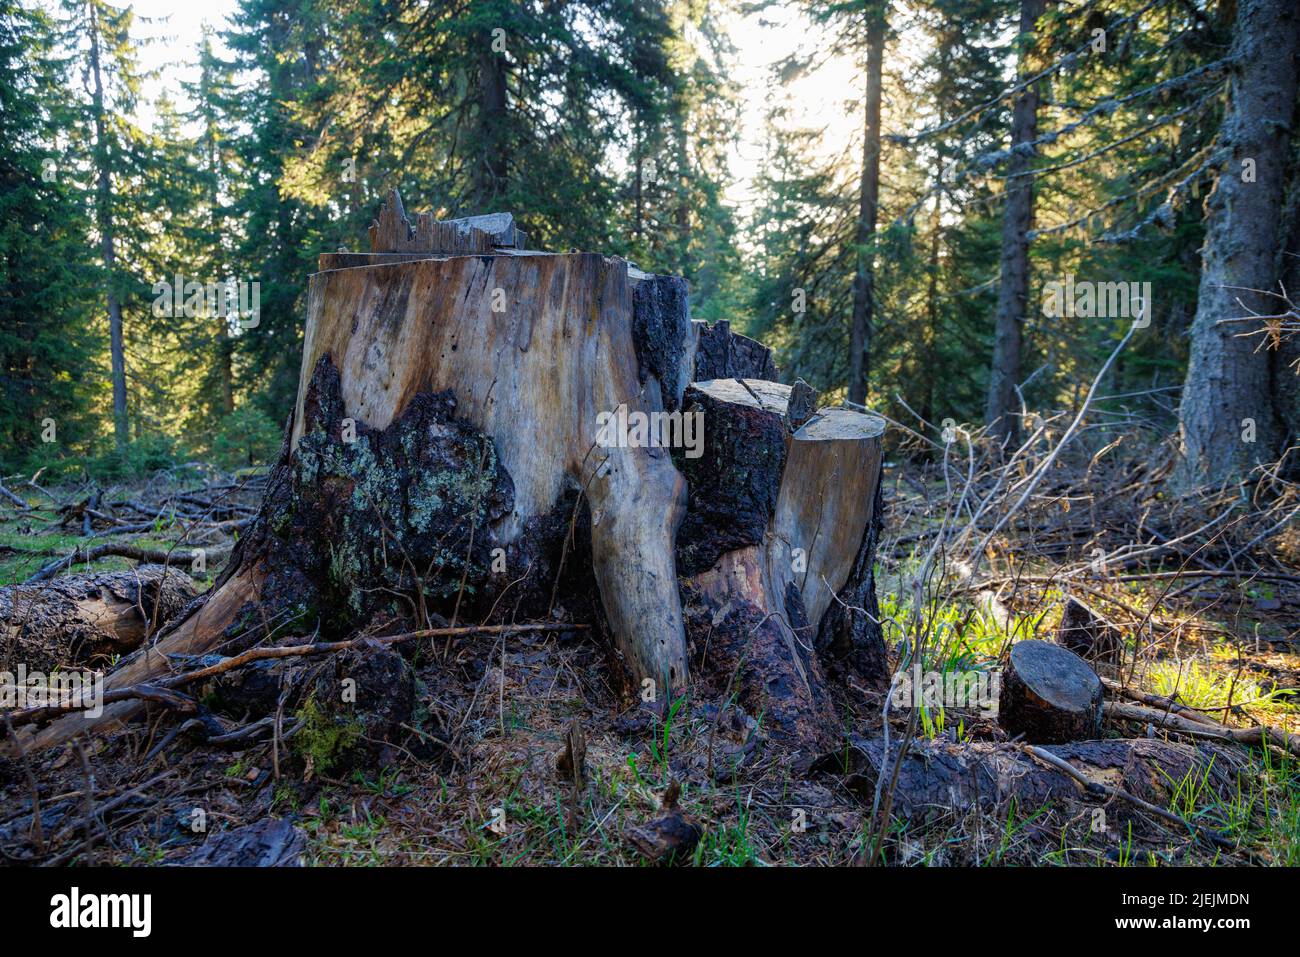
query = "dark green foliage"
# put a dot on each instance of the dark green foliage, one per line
(44, 261)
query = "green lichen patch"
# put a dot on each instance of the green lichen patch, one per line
(374, 521)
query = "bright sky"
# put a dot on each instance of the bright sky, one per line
(760, 41)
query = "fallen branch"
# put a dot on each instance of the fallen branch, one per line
(1259, 735)
(152, 555)
(16, 500)
(1156, 701)
(160, 691)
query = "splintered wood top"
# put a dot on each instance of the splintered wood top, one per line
(827, 425)
(394, 232)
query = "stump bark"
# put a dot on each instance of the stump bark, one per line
(1049, 694)
(1087, 633)
(484, 433)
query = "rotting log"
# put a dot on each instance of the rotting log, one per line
(86, 619)
(939, 777)
(1049, 694)
(460, 448)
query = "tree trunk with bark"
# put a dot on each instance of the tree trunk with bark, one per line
(864, 238)
(1228, 422)
(1017, 220)
(104, 222)
(493, 123)
(489, 434)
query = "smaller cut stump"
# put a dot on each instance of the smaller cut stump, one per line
(1049, 695)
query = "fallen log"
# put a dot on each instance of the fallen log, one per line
(85, 619)
(938, 777)
(15, 500)
(155, 556)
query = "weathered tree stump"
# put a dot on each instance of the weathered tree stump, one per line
(1049, 694)
(1087, 633)
(778, 527)
(483, 432)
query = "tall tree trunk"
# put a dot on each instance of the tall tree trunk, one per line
(493, 165)
(868, 201)
(682, 211)
(638, 187)
(1284, 361)
(225, 346)
(1017, 219)
(104, 221)
(1227, 419)
(925, 373)
(930, 331)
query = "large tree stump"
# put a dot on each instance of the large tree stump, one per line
(1049, 694)
(483, 432)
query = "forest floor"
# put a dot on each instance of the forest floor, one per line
(475, 781)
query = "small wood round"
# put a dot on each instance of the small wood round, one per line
(1049, 695)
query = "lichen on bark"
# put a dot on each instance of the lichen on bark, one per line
(367, 521)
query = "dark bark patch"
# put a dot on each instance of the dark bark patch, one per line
(733, 485)
(364, 524)
(661, 322)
